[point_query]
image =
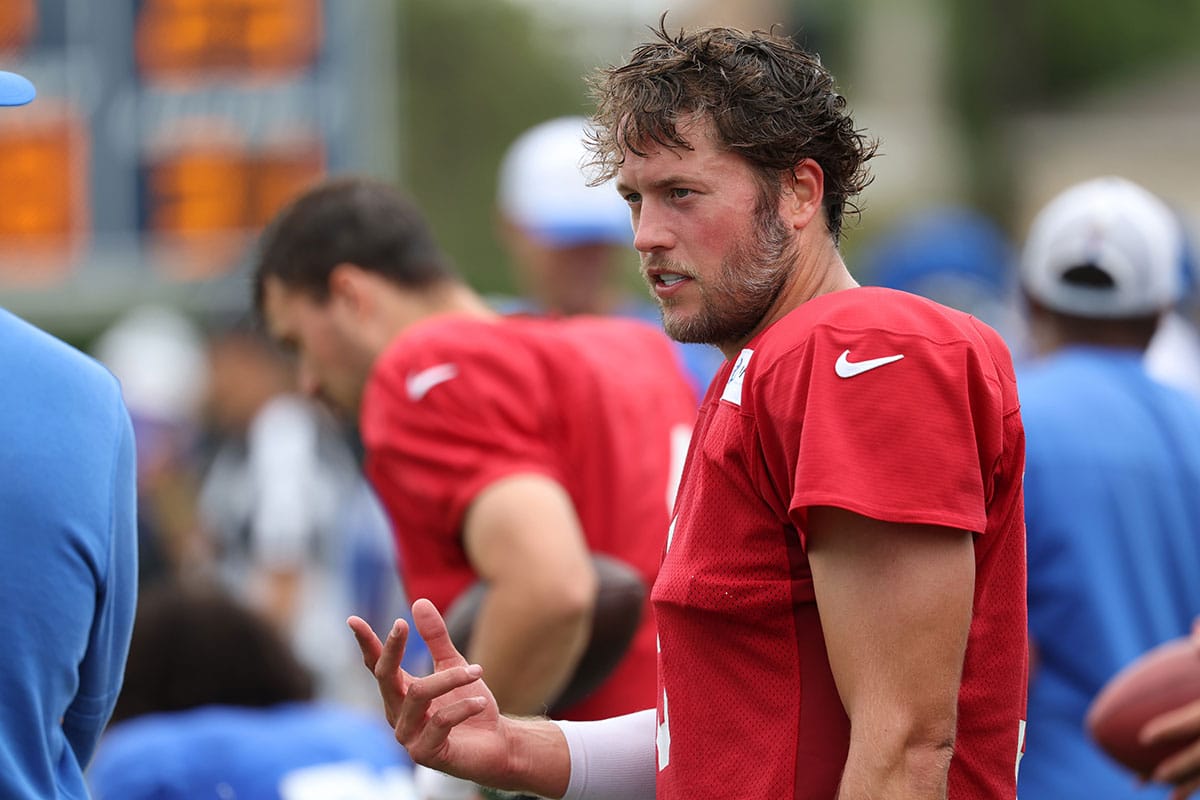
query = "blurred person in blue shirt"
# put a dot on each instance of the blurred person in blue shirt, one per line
(68, 533)
(1112, 481)
(955, 256)
(217, 705)
(571, 242)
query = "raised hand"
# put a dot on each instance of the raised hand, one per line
(449, 720)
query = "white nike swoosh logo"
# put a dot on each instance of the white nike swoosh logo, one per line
(845, 368)
(418, 384)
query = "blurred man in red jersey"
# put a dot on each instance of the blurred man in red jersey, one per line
(507, 449)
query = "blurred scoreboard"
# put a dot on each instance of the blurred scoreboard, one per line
(167, 132)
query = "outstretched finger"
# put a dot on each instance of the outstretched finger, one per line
(1180, 766)
(392, 652)
(1179, 722)
(432, 628)
(368, 643)
(1186, 790)
(383, 660)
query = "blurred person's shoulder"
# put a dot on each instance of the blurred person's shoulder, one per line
(513, 337)
(448, 333)
(625, 345)
(203, 746)
(614, 326)
(870, 310)
(532, 358)
(30, 353)
(53, 386)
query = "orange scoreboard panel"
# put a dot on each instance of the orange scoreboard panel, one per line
(208, 197)
(179, 39)
(44, 154)
(162, 164)
(44, 167)
(204, 196)
(17, 21)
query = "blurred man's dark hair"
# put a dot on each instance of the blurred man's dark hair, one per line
(356, 221)
(195, 645)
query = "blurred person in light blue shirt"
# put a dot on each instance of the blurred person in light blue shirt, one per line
(1112, 481)
(68, 533)
(216, 705)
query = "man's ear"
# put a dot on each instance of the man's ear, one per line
(803, 194)
(348, 288)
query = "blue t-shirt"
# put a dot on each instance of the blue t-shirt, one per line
(68, 559)
(293, 751)
(1112, 502)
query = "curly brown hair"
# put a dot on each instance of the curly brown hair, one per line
(768, 99)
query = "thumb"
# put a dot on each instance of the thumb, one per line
(432, 628)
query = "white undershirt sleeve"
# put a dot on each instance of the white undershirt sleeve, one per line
(612, 759)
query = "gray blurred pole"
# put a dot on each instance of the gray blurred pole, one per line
(367, 74)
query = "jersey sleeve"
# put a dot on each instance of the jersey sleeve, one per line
(435, 447)
(845, 423)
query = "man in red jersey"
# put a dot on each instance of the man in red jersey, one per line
(841, 602)
(503, 448)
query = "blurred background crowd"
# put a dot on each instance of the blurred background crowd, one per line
(166, 132)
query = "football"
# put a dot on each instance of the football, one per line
(1163, 679)
(620, 599)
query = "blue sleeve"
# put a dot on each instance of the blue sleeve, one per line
(701, 361)
(103, 667)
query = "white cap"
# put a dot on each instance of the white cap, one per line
(157, 353)
(544, 188)
(1118, 228)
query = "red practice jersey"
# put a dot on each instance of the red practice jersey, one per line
(820, 410)
(599, 405)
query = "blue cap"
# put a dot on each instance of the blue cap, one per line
(937, 243)
(15, 90)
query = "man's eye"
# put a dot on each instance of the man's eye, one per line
(679, 193)
(633, 197)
